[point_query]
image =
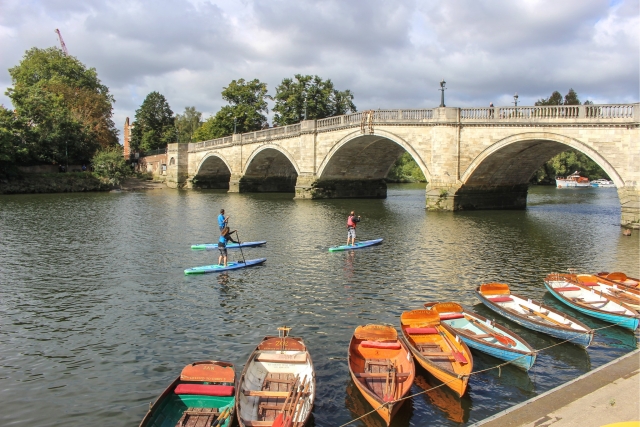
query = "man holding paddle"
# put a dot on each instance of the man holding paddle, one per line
(225, 236)
(352, 220)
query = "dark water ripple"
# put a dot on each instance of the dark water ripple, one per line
(96, 316)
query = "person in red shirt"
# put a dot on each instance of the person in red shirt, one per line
(352, 221)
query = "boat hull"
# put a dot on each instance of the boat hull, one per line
(212, 246)
(579, 338)
(623, 321)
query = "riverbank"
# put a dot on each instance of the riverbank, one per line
(70, 182)
(606, 395)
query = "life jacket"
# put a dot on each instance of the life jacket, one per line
(350, 222)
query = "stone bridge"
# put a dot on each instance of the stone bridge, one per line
(472, 158)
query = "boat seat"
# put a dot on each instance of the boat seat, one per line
(205, 389)
(198, 417)
(256, 423)
(501, 299)
(451, 316)
(595, 302)
(567, 289)
(282, 358)
(421, 331)
(383, 345)
(265, 393)
(380, 375)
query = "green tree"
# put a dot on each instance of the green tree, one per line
(554, 99)
(187, 124)
(246, 111)
(154, 125)
(66, 109)
(566, 163)
(110, 165)
(405, 169)
(318, 96)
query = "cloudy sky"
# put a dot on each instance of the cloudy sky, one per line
(391, 54)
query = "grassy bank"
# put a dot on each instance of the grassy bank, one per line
(52, 183)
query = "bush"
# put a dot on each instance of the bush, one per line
(109, 164)
(405, 169)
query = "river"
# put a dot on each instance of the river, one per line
(97, 316)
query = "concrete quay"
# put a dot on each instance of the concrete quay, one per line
(607, 395)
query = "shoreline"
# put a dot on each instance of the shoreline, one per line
(71, 182)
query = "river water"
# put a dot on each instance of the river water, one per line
(97, 316)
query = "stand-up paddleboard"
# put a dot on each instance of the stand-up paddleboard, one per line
(215, 268)
(211, 246)
(358, 245)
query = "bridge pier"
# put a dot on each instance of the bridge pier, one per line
(444, 196)
(630, 206)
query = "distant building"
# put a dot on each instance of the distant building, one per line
(127, 138)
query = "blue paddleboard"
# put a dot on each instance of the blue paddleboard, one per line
(358, 245)
(211, 246)
(215, 268)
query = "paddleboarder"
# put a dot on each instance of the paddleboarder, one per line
(225, 236)
(222, 220)
(352, 220)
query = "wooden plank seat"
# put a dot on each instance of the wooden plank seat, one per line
(256, 423)
(265, 393)
(198, 417)
(381, 375)
(282, 358)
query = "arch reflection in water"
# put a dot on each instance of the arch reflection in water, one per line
(446, 400)
(358, 406)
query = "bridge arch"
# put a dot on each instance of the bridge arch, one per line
(382, 149)
(213, 171)
(269, 168)
(514, 159)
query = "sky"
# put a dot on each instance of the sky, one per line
(390, 54)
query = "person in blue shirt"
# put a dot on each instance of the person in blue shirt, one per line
(225, 236)
(222, 220)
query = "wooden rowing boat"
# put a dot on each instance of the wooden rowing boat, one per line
(590, 302)
(614, 290)
(437, 348)
(277, 383)
(480, 334)
(621, 279)
(203, 394)
(533, 315)
(381, 367)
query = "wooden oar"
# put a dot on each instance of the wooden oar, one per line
(457, 355)
(223, 416)
(279, 420)
(503, 339)
(544, 316)
(294, 408)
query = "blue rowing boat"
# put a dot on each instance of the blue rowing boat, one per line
(216, 268)
(533, 315)
(359, 245)
(595, 304)
(212, 246)
(480, 334)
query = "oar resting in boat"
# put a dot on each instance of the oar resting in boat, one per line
(608, 288)
(533, 315)
(483, 335)
(381, 367)
(586, 300)
(437, 348)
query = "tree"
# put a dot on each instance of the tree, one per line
(554, 99)
(111, 165)
(566, 163)
(66, 110)
(245, 112)
(187, 124)
(153, 127)
(318, 97)
(571, 98)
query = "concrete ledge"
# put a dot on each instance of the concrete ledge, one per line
(536, 410)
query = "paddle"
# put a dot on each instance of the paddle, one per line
(499, 337)
(544, 316)
(294, 410)
(457, 355)
(244, 261)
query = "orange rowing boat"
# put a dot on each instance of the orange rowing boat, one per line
(437, 348)
(381, 367)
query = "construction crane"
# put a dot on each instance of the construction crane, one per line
(64, 47)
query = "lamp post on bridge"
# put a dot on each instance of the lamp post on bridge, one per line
(442, 89)
(305, 105)
(235, 122)
(515, 99)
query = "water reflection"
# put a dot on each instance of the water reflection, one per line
(358, 406)
(454, 408)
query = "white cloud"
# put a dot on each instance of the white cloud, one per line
(390, 54)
